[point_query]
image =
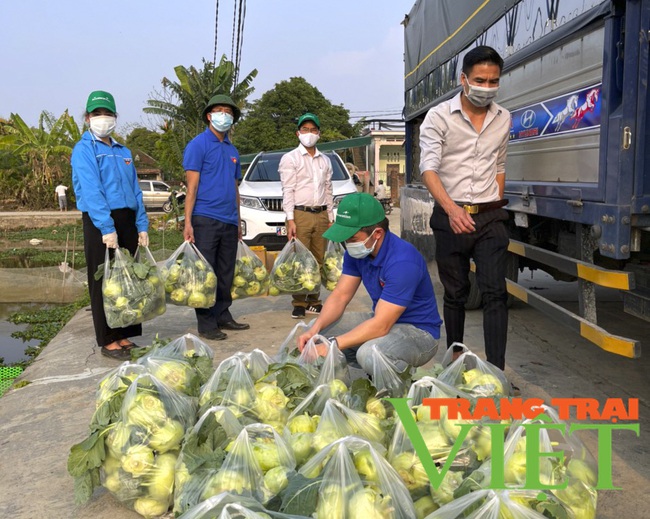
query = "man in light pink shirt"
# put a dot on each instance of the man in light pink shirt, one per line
(308, 201)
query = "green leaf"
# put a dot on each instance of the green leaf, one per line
(360, 391)
(86, 455)
(100, 272)
(140, 270)
(109, 412)
(83, 487)
(301, 496)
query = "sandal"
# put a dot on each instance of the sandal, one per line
(128, 345)
(118, 354)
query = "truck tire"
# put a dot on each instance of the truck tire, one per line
(474, 300)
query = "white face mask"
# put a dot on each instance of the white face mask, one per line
(102, 125)
(359, 250)
(480, 96)
(221, 121)
(308, 140)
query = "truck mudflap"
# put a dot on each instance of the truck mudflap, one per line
(590, 273)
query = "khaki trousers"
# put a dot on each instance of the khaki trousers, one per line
(309, 230)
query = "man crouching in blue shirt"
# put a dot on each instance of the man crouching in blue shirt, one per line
(404, 323)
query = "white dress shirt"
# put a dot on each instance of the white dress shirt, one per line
(466, 161)
(306, 180)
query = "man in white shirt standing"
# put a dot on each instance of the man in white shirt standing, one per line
(61, 197)
(308, 201)
(464, 143)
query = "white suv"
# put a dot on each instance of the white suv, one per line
(260, 192)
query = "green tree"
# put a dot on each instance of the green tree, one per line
(182, 101)
(143, 139)
(46, 152)
(270, 124)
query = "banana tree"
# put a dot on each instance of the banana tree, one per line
(181, 103)
(45, 149)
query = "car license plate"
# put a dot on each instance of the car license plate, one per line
(281, 231)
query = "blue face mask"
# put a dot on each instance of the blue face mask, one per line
(221, 121)
(358, 249)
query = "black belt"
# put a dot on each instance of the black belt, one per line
(482, 207)
(308, 209)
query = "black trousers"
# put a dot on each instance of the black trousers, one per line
(95, 250)
(488, 247)
(217, 241)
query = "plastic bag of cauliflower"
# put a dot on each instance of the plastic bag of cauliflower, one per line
(439, 435)
(132, 288)
(354, 482)
(230, 385)
(251, 277)
(576, 467)
(142, 447)
(295, 271)
(231, 506)
(202, 454)
(332, 265)
(258, 465)
(475, 376)
(486, 504)
(188, 348)
(189, 279)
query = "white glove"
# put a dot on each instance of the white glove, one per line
(110, 240)
(143, 239)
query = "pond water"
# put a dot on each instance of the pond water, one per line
(13, 350)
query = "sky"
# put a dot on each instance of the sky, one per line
(54, 53)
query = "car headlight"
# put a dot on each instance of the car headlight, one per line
(251, 202)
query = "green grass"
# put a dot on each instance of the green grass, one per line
(23, 257)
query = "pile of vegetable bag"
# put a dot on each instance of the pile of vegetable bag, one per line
(292, 436)
(132, 288)
(189, 278)
(295, 271)
(251, 277)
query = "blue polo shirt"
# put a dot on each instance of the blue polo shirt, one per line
(218, 165)
(399, 275)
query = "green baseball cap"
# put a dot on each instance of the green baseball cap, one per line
(100, 99)
(222, 99)
(355, 211)
(309, 117)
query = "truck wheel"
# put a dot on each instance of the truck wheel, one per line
(474, 300)
(167, 207)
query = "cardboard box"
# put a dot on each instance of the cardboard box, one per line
(271, 256)
(260, 252)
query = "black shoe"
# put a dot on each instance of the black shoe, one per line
(213, 335)
(314, 309)
(234, 325)
(298, 312)
(118, 354)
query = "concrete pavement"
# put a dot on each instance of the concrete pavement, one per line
(41, 421)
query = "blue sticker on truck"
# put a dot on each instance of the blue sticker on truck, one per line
(572, 112)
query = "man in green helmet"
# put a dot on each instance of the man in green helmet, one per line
(212, 219)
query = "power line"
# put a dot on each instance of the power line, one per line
(216, 30)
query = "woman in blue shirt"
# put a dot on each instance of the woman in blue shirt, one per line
(108, 195)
